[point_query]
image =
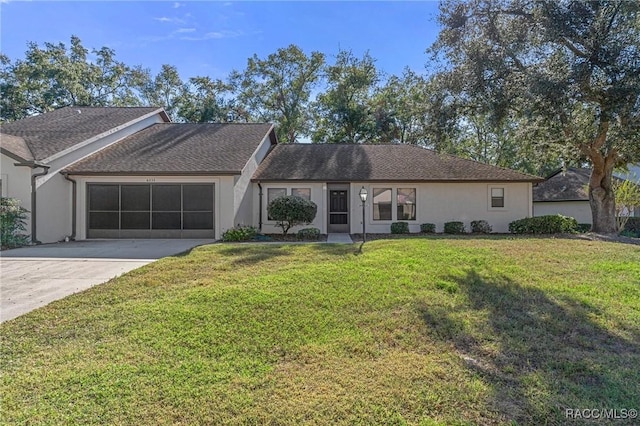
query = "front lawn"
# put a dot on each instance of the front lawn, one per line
(417, 331)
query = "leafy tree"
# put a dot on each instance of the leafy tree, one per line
(12, 223)
(567, 71)
(206, 102)
(167, 90)
(278, 88)
(56, 76)
(627, 195)
(343, 113)
(290, 210)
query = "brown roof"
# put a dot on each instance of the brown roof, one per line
(568, 185)
(335, 162)
(15, 147)
(179, 148)
(53, 132)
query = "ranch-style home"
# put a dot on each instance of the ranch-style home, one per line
(107, 172)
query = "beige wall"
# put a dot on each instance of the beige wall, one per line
(436, 203)
(53, 209)
(243, 189)
(16, 183)
(580, 210)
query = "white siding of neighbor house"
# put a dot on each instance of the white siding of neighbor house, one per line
(16, 183)
(436, 203)
(580, 210)
(223, 190)
(243, 189)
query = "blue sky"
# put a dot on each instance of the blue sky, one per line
(213, 38)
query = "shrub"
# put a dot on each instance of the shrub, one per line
(12, 223)
(291, 210)
(428, 228)
(454, 228)
(239, 233)
(552, 224)
(633, 225)
(583, 227)
(308, 234)
(399, 228)
(480, 227)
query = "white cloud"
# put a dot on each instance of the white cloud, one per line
(166, 19)
(177, 5)
(213, 35)
(184, 30)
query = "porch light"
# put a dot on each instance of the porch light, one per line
(363, 194)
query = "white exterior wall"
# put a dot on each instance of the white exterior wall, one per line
(53, 209)
(16, 183)
(318, 196)
(580, 210)
(243, 200)
(223, 191)
(435, 203)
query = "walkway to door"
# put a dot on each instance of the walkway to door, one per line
(339, 239)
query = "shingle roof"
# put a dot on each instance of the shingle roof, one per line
(53, 132)
(333, 162)
(570, 185)
(178, 148)
(15, 145)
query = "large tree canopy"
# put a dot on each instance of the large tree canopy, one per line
(278, 89)
(567, 73)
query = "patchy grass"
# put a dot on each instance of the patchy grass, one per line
(419, 331)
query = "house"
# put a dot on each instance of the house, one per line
(93, 172)
(565, 192)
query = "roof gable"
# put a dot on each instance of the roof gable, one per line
(179, 148)
(50, 133)
(342, 162)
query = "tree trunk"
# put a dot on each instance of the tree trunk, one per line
(601, 195)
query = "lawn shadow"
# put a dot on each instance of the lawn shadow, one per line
(540, 356)
(250, 254)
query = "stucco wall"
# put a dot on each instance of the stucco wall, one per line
(243, 189)
(580, 210)
(53, 209)
(16, 183)
(435, 203)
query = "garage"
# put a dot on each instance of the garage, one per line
(162, 210)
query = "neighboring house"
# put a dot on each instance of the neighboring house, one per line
(566, 193)
(129, 173)
(404, 183)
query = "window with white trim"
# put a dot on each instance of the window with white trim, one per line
(497, 198)
(406, 204)
(382, 208)
(302, 193)
(272, 194)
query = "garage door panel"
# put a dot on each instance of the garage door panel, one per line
(135, 198)
(135, 220)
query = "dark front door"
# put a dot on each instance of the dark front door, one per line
(338, 208)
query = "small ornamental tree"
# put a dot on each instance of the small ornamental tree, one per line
(12, 223)
(627, 195)
(290, 211)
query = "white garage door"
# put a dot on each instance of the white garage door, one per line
(150, 210)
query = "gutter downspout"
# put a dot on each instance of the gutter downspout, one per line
(74, 196)
(34, 240)
(260, 209)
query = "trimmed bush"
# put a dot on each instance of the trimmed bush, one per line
(12, 223)
(239, 233)
(480, 227)
(399, 228)
(308, 234)
(428, 228)
(291, 210)
(583, 227)
(454, 228)
(551, 224)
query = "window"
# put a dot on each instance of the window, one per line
(381, 203)
(302, 193)
(272, 194)
(406, 204)
(497, 197)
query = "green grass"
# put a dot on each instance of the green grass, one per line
(417, 331)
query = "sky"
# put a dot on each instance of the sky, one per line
(212, 38)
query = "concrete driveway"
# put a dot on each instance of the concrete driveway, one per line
(31, 277)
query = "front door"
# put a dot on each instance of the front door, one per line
(338, 208)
